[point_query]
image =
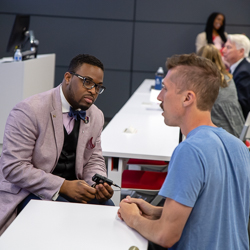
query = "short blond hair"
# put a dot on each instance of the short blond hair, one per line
(197, 74)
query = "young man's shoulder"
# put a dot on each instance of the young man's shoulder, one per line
(205, 137)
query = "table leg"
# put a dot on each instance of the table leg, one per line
(115, 168)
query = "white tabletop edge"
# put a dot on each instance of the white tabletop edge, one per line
(136, 156)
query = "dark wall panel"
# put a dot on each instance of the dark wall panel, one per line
(243, 29)
(59, 74)
(132, 38)
(154, 42)
(116, 94)
(139, 77)
(193, 11)
(6, 23)
(109, 41)
(108, 9)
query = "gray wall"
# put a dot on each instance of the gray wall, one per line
(132, 38)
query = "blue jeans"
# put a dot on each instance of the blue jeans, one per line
(23, 203)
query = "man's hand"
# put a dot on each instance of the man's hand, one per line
(128, 211)
(78, 190)
(146, 209)
(164, 231)
(103, 192)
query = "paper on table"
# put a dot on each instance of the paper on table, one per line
(6, 59)
(130, 130)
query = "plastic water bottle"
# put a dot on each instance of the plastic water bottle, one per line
(158, 78)
(18, 56)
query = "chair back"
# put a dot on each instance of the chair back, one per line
(245, 133)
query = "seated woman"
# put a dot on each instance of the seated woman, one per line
(226, 112)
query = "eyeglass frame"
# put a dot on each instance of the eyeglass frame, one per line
(84, 78)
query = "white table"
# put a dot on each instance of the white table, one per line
(153, 139)
(54, 225)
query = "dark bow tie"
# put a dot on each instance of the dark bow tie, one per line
(81, 114)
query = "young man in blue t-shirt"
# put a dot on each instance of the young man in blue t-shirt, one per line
(207, 188)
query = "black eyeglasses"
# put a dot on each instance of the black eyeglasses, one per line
(89, 84)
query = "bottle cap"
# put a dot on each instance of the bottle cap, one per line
(160, 70)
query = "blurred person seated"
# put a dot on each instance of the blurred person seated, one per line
(235, 52)
(226, 111)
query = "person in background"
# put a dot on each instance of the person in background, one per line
(208, 183)
(214, 32)
(226, 111)
(235, 52)
(52, 144)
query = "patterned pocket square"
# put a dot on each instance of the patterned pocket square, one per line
(90, 144)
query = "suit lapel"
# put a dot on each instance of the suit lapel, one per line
(57, 121)
(238, 67)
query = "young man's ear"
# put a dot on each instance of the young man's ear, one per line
(67, 77)
(189, 98)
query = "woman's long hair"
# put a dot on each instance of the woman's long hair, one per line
(210, 26)
(212, 53)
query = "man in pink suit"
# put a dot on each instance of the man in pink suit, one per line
(52, 144)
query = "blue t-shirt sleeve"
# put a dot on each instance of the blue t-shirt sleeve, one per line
(185, 179)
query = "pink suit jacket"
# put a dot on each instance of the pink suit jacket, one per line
(32, 144)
